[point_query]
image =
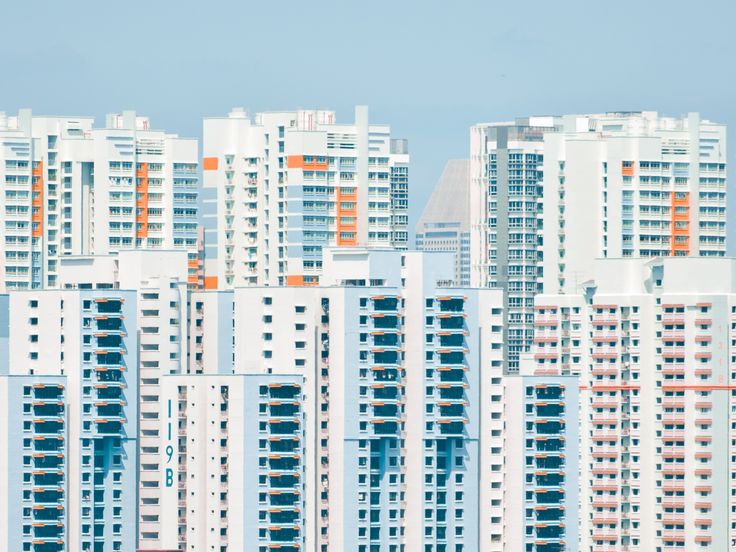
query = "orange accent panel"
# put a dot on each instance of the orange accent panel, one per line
(683, 217)
(193, 270)
(37, 200)
(295, 161)
(295, 280)
(627, 170)
(299, 280)
(210, 282)
(209, 163)
(141, 204)
(345, 212)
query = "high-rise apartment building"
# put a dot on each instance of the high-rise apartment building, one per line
(506, 162)
(69, 428)
(445, 221)
(551, 194)
(72, 189)
(158, 280)
(279, 188)
(631, 185)
(232, 456)
(653, 344)
(402, 395)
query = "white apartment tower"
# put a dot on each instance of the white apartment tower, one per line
(551, 194)
(69, 188)
(159, 281)
(232, 455)
(280, 187)
(652, 342)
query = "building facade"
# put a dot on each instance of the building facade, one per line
(279, 188)
(232, 458)
(159, 281)
(506, 161)
(73, 189)
(70, 425)
(653, 347)
(401, 417)
(551, 194)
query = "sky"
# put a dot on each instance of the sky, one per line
(430, 69)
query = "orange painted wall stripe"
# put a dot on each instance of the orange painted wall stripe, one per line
(210, 282)
(141, 204)
(676, 217)
(298, 280)
(340, 197)
(209, 163)
(295, 161)
(627, 171)
(193, 279)
(37, 200)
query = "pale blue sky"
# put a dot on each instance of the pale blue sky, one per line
(430, 68)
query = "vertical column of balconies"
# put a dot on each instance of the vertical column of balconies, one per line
(610, 456)
(282, 464)
(45, 417)
(250, 223)
(324, 417)
(221, 468)
(547, 337)
(104, 419)
(673, 419)
(451, 366)
(544, 491)
(384, 417)
(446, 419)
(701, 403)
(109, 354)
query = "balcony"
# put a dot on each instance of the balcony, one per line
(451, 428)
(451, 322)
(48, 410)
(385, 427)
(382, 321)
(276, 481)
(385, 304)
(284, 391)
(283, 445)
(283, 463)
(284, 498)
(381, 392)
(51, 392)
(279, 427)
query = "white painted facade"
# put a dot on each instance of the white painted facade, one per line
(281, 186)
(549, 195)
(654, 349)
(70, 188)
